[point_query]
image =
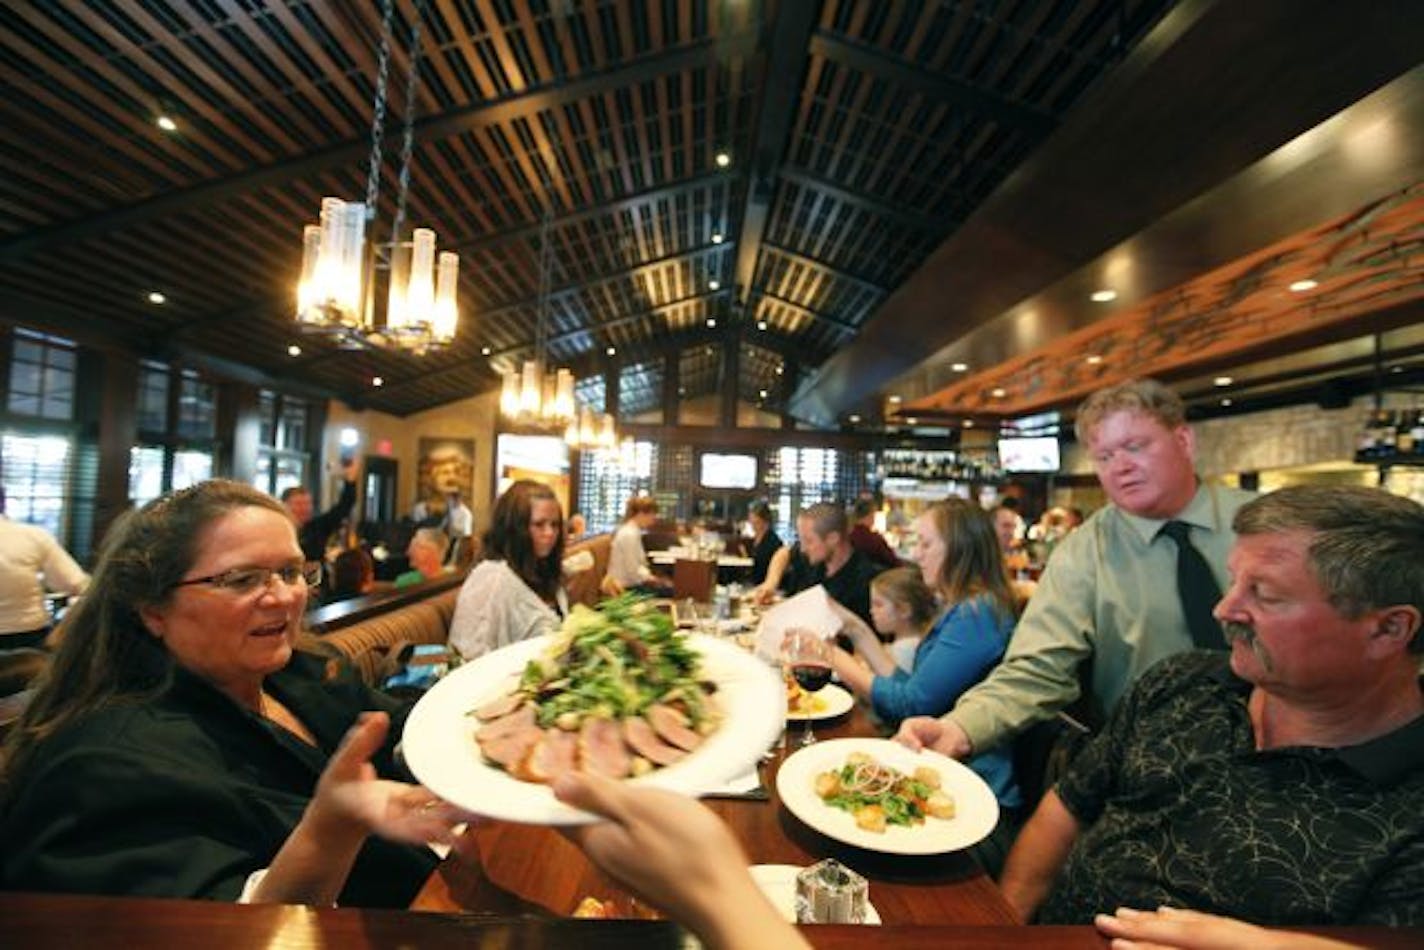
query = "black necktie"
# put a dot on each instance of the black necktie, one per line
(1197, 589)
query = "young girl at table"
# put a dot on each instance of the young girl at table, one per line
(959, 560)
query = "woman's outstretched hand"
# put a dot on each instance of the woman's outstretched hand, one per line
(678, 856)
(351, 794)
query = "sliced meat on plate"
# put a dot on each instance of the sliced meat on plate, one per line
(671, 725)
(643, 740)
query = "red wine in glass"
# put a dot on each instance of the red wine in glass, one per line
(811, 676)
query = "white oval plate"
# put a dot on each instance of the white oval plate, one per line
(839, 701)
(976, 809)
(439, 738)
(778, 883)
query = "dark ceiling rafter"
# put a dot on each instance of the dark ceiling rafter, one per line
(938, 87)
(840, 276)
(701, 54)
(830, 321)
(783, 65)
(892, 214)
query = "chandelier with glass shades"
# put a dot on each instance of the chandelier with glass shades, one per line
(343, 272)
(532, 396)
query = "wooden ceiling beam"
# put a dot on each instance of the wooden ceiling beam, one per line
(352, 153)
(784, 64)
(936, 86)
(907, 218)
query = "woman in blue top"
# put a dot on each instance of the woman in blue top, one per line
(959, 558)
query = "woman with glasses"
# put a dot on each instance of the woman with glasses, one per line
(182, 740)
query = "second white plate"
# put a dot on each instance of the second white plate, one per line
(976, 809)
(836, 701)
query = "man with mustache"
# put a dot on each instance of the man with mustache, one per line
(1109, 600)
(1283, 782)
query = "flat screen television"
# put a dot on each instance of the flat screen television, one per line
(720, 470)
(1029, 454)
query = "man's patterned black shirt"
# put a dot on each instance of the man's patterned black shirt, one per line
(1178, 807)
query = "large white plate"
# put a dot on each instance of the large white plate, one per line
(778, 883)
(838, 700)
(976, 810)
(439, 744)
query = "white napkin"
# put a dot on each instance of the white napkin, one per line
(810, 610)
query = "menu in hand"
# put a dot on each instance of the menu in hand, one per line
(808, 610)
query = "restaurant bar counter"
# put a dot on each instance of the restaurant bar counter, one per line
(48, 920)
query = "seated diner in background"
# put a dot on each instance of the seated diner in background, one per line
(865, 539)
(426, 552)
(31, 563)
(516, 591)
(313, 531)
(822, 531)
(1113, 600)
(352, 574)
(764, 542)
(1282, 783)
(627, 561)
(181, 741)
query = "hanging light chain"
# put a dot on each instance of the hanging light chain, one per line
(378, 113)
(546, 286)
(412, 80)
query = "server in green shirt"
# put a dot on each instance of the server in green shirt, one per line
(1110, 596)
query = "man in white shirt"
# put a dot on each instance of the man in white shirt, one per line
(459, 525)
(627, 561)
(31, 562)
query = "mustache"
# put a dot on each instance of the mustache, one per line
(1235, 630)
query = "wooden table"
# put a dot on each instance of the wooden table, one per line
(43, 921)
(511, 868)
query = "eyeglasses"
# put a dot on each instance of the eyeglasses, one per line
(249, 580)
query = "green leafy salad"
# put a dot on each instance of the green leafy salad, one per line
(878, 795)
(613, 662)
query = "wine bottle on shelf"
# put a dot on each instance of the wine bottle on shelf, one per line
(1405, 443)
(1388, 439)
(1365, 445)
(1417, 429)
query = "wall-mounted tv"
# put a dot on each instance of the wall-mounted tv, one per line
(1033, 454)
(721, 470)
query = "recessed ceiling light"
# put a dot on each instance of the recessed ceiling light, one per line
(968, 423)
(717, 237)
(761, 393)
(1094, 360)
(959, 367)
(1104, 296)
(723, 159)
(1301, 286)
(1226, 402)
(294, 350)
(1396, 369)
(484, 351)
(157, 297)
(761, 324)
(167, 124)
(912, 420)
(711, 321)
(853, 418)
(611, 351)
(714, 285)
(378, 381)
(682, 390)
(1222, 381)
(780, 370)
(998, 393)
(894, 398)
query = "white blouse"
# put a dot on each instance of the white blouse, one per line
(496, 608)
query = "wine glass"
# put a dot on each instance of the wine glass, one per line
(808, 656)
